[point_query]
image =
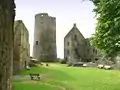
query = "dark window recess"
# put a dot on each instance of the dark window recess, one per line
(67, 51)
(88, 60)
(96, 59)
(36, 42)
(68, 43)
(78, 56)
(93, 50)
(75, 37)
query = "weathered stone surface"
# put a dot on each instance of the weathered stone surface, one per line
(107, 67)
(100, 66)
(21, 46)
(44, 48)
(92, 53)
(77, 48)
(7, 14)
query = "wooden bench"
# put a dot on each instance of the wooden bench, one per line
(32, 76)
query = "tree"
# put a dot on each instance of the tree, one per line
(107, 33)
(7, 14)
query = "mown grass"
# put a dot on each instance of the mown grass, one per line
(60, 77)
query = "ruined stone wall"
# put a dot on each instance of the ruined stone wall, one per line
(25, 46)
(7, 14)
(44, 48)
(21, 46)
(93, 53)
(17, 43)
(96, 54)
(89, 49)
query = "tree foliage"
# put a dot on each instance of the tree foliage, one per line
(107, 33)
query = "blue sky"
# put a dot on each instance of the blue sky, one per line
(66, 12)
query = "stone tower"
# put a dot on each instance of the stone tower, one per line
(44, 48)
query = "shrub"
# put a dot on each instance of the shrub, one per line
(63, 61)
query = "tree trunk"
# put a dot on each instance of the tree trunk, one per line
(7, 14)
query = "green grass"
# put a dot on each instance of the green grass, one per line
(31, 86)
(60, 77)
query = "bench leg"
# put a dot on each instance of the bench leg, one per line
(38, 78)
(31, 78)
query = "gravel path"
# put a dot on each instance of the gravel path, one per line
(19, 77)
(27, 77)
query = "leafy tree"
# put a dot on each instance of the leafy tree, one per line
(107, 33)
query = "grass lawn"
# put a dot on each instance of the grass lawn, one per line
(60, 77)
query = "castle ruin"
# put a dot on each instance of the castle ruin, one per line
(44, 48)
(77, 48)
(21, 52)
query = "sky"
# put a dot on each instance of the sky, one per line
(67, 12)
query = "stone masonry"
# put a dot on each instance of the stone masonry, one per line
(44, 48)
(21, 46)
(77, 48)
